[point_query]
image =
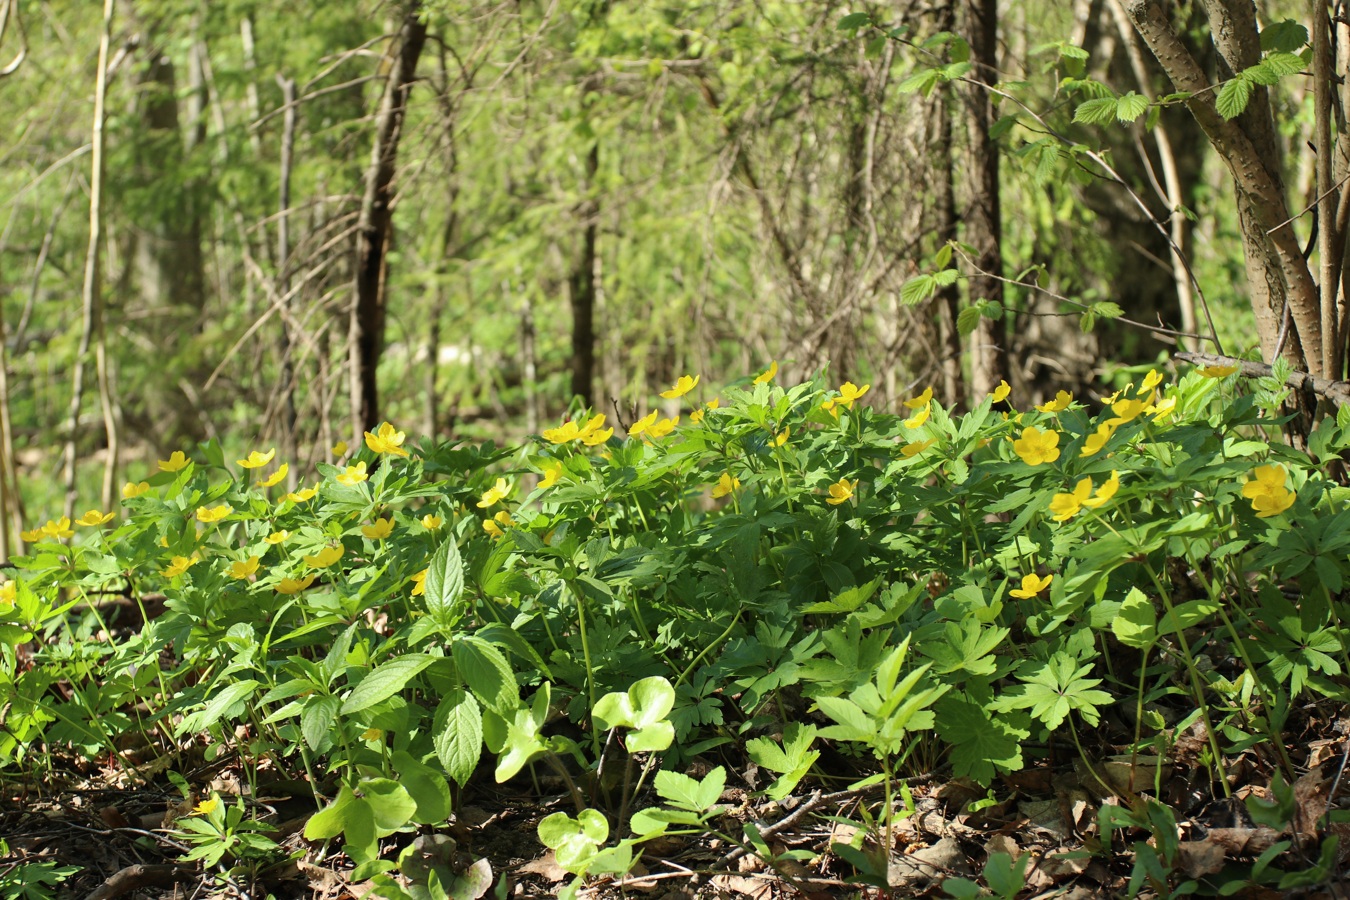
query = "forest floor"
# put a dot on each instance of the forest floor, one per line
(118, 828)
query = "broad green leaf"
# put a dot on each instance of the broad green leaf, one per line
(1233, 97)
(217, 707)
(425, 785)
(1136, 625)
(385, 681)
(390, 803)
(458, 735)
(332, 820)
(486, 671)
(445, 581)
(982, 745)
(1131, 106)
(317, 718)
(1096, 112)
(688, 793)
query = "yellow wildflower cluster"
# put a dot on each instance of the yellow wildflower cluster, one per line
(1267, 491)
(1066, 506)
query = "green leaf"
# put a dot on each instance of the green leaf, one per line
(457, 735)
(487, 672)
(854, 21)
(1108, 310)
(791, 761)
(1233, 97)
(917, 289)
(317, 717)
(1096, 112)
(445, 581)
(390, 802)
(1131, 106)
(943, 256)
(425, 785)
(683, 792)
(1287, 36)
(333, 819)
(217, 707)
(922, 81)
(1282, 64)
(967, 320)
(385, 681)
(982, 744)
(1136, 625)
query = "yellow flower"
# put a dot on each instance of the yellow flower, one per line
(696, 416)
(275, 478)
(131, 489)
(372, 734)
(492, 528)
(1128, 410)
(831, 406)
(1001, 392)
(551, 476)
(31, 537)
(1105, 492)
(175, 462)
(58, 528)
(244, 568)
(180, 564)
(1036, 446)
(767, 375)
(295, 585)
(1162, 409)
(9, 592)
(354, 474)
(257, 460)
(1267, 491)
(1059, 404)
(663, 427)
(503, 519)
(1097, 440)
(596, 438)
(1066, 506)
(206, 807)
(714, 403)
(1031, 586)
(214, 514)
(93, 518)
(781, 437)
(683, 385)
(380, 530)
(419, 583)
(565, 432)
(278, 537)
(848, 392)
(387, 440)
(301, 495)
(840, 491)
(497, 492)
(431, 522)
(919, 417)
(592, 427)
(725, 485)
(922, 400)
(324, 558)
(642, 424)
(1218, 372)
(340, 449)
(1151, 380)
(914, 448)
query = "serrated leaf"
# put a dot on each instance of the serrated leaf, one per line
(943, 256)
(485, 669)
(1108, 310)
(1131, 106)
(1282, 64)
(1002, 125)
(1096, 112)
(217, 707)
(917, 289)
(1287, 36)
(445, 581)
(385, 681)
(1233, 98)
(854, 21)
(458, 735)
(967, 320)
(946, 277)
(1086, 323)
(317, 718)
(922, 82)
(425, 785)
(982, 745)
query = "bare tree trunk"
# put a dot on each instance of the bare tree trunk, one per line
(984, 221)
(290, 439)
(1277, 274)
(581, 292)
(942, 165)
(91, 297)
(369, 306)
(1330, 234)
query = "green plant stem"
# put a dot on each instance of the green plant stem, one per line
(1195, 680)
(586, 655)
(706, 650)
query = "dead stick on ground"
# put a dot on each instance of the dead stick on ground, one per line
(134, 878)
(1336, 392)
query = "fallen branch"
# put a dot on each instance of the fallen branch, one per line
(134, 878)
(1337, 392)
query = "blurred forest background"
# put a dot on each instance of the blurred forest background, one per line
(276, 224)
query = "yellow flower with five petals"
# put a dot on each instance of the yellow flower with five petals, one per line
(841, 491)
(387, 439)
(1059, 404)
(295, 585)
(768, 374)
(1031, 586)
(725, 485)
(257, 460)
(275, 478)
(213, 514)
(380, 530)
(354, 475)
(683, 385)
(243, 568)
(495, 494)
(1035, 447)
(93, 518)
(132, 490)
(176, 461)
(324, 558)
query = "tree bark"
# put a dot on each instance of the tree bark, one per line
(942, 164)
(581, 292)
(369, 306)
(984, 221)
(1276, 270)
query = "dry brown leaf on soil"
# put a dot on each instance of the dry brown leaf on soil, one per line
(744, 886)
(546, 867)
(1200, 858)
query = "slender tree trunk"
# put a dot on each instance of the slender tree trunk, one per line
(984, 221)
(91, 296)
(369, 306)
(942, 166)
(290, 438)
(581, 292)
